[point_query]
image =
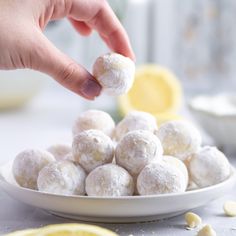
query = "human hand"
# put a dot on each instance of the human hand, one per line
(23, 45)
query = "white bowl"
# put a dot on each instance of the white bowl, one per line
(19, 86)
(114, 209)
(217, 116)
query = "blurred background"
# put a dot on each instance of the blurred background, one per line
(196, 40)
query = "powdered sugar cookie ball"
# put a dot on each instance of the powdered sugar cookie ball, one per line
(62, 177)
(92, 148)
(208, 166)
(136, 149)
(59, 151)
(115, 73)
(179, 165)
(94, 119)
(69, 157)
(191, 184)
(109, 180)
(27, 165)
(135, 120)
(179, 138)
(159, 178)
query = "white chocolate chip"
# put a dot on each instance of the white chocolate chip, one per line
(230, 208)
(192, 220)
(207, 230)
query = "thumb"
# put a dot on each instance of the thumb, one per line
(45, 57)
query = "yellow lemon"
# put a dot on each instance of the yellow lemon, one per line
(66, 230)
(27, 232)
(155, 90)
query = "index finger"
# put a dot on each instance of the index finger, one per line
(101, 18)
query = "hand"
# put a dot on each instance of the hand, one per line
(23, 45)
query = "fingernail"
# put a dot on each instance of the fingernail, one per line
(91, 88)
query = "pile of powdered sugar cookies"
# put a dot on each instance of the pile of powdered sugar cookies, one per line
(134, 157)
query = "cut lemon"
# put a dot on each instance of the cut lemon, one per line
(67, 230)
(155, 90)
(27, 232)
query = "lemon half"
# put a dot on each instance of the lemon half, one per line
(26, 232)
(155, 90)
(66, 230)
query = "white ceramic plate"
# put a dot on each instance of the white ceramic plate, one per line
(120, 209)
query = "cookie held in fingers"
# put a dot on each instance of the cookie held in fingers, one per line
(115, 73)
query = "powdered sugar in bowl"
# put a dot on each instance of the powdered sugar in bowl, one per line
(217, 115)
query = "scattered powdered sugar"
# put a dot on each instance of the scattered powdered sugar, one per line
(135, 120)
(109, 180)
(159, 178)
(136, 149)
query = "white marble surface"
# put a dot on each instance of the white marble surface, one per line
(48, 120)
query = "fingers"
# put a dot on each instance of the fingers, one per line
(99, 16)
(48, 59)
(81, 27)
(109, 27)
